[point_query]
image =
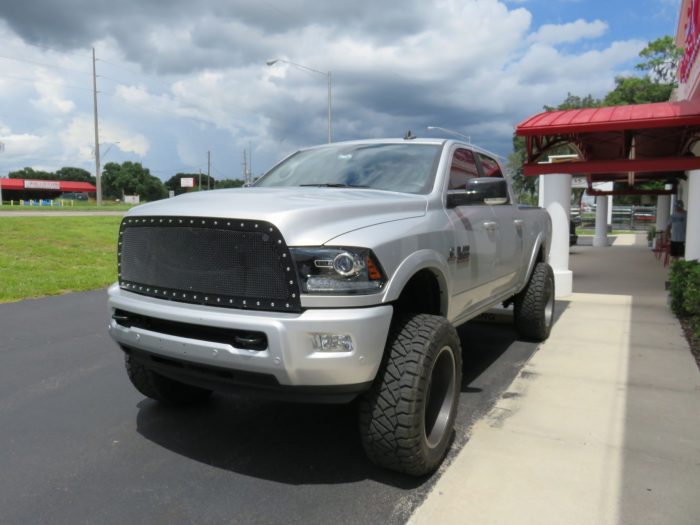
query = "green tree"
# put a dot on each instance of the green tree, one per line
(31, 173)
(661, 57)
(131, 178)
(229, 183)
(635, 90)
(525, 187)
(576, 102)
(74, 174)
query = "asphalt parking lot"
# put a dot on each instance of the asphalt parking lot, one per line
(80, 445)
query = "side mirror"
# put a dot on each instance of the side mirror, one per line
(480, 190)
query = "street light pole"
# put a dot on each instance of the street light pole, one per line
(453, 132)
(326, 74)
(98, 179)
(330, 119)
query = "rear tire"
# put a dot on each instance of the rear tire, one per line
(162, 388)
(534, 305)
(407, 417)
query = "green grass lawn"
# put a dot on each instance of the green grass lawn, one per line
(53, 255)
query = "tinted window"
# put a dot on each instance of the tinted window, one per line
(462, 169)
(408, 168)
(489, 166)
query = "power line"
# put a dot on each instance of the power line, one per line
(53, 66)
(118, 66)
(35, 81)
(139, 74)
(49, 48)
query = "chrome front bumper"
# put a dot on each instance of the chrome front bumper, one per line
(290, 355)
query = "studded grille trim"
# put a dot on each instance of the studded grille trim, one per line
(231, 263)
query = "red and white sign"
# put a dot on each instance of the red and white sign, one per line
(187, 182)
(42, 184)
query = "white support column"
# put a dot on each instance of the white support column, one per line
(557, 201)
(692, 232)
(663, 212)
(601, 222)
(610, 207)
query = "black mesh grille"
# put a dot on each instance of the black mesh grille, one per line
(221, 262)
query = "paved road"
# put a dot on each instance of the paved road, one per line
(79, 445)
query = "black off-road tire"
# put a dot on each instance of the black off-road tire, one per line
(407, 417)
(161, 388)
(534, 305)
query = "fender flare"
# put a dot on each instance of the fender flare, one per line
(410, 266)
(539, 243)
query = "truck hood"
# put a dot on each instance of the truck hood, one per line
(304, 216)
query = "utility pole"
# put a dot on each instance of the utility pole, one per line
(98, 178)
(245, 168)
(2, 147)
(250, 163)
(200, 179)
(208, 168)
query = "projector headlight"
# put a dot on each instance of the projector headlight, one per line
(338, 270)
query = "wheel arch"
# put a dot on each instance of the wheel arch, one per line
(424, 273)
(538, 254)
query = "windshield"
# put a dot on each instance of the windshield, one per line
(408, 168)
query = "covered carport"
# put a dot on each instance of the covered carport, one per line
(29, 190)
(631, 145)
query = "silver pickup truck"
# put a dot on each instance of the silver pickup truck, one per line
(340, 274)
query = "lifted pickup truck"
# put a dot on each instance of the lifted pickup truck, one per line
(340, 274)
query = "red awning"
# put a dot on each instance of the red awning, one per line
(44, 185)
(614, 141)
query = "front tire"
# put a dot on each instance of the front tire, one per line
(534, 305)
(407, 418)
(161, 388)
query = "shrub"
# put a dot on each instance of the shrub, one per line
(685, 288)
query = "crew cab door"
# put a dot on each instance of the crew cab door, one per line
(509, 232)
(472, 255)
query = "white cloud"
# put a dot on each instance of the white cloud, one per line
(193, 78)
(580, 29)
(49, 87)
(78, 138)
(22, 145)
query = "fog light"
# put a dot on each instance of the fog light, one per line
(332, 342)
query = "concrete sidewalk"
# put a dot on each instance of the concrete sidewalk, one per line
(603, 424)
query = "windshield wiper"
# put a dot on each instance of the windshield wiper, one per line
(334, 185)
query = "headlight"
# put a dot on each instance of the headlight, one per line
(338, 270)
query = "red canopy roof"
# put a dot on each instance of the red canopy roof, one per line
(614, 118)
(51, 185)
(614, 141)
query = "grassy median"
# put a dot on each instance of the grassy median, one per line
(54, 255)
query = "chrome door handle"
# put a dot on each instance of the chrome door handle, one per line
(490, 225)
(518, 222)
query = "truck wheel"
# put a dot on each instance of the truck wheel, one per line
(162, 388)
(534, 305)
(407, 418)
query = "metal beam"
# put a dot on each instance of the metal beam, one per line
(623, 166)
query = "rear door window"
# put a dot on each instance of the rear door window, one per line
(462, 169)
(489, 166)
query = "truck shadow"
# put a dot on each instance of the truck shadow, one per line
(320, 444)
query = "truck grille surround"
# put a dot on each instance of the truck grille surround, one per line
(230, 263)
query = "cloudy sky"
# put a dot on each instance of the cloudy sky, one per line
(177, 78)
